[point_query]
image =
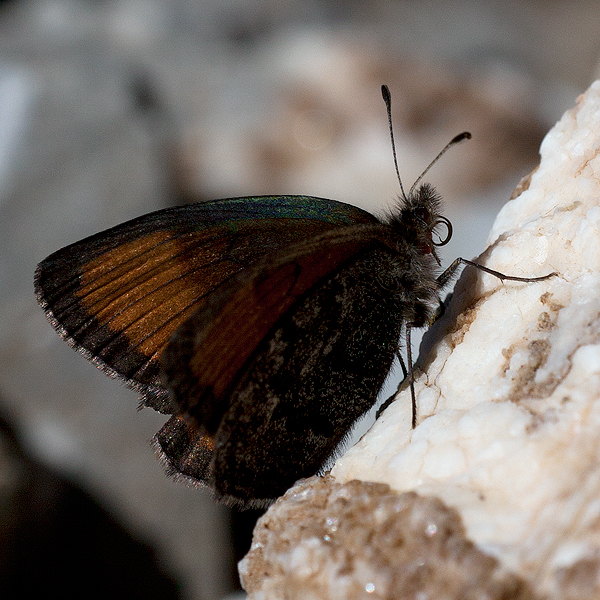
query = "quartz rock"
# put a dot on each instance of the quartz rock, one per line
(362, 540)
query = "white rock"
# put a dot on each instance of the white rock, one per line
(509, 410)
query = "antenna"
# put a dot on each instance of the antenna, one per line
(387, 98)
(465, 135)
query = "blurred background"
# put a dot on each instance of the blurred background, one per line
(112, 108)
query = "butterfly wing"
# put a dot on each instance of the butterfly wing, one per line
(118, 296)
(258, 373)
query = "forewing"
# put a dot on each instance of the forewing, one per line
(118, 296)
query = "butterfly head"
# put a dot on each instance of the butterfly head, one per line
(419, 221)
(419, 216)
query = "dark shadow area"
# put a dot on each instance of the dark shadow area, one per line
(242, 524)
(56, 539)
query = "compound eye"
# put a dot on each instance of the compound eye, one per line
(422, 214)
(446, 222)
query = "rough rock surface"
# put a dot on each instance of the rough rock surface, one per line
(363, 540)
(509, 421)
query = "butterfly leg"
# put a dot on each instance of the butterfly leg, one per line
(407, 373)
(447, 275)
(411, 376)
(442, 280)
(389, 400)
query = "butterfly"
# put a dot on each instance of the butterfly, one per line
(265, 326)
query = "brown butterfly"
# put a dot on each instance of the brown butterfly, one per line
(265, 325)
